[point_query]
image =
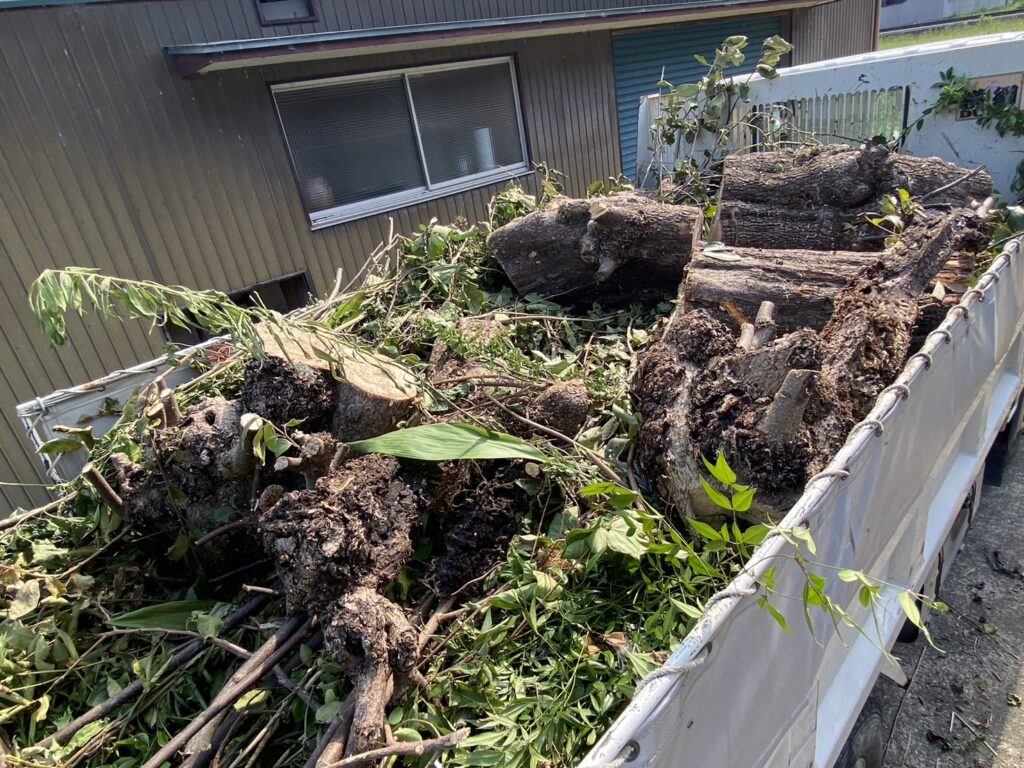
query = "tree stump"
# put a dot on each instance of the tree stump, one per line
(779, 409)
(614, 250)
(314, 377)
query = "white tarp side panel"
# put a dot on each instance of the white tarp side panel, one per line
(96, 405)
(854, 97)
(740, 692)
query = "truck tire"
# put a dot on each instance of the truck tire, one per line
(864, 747)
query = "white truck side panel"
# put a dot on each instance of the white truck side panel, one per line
(740, 692)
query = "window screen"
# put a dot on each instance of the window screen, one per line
(467, 120)
(367, 145)
(351, 141)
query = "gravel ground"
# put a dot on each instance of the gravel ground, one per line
(963, 706)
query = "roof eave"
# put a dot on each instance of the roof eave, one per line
(200, 58)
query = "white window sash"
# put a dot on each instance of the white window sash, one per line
(384, 203)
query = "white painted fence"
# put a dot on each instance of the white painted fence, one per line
(855, 98)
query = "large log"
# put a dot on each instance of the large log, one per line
(845, 177)
(780, 409)
(802, 284)
(732, 282)
(615, 250)
(780, 225)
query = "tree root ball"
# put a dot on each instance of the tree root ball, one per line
(486, 511)
(563, 407)
(280, 391)
(351, 530)
(189, 472)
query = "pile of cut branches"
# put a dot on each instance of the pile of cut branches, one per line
(433, 512)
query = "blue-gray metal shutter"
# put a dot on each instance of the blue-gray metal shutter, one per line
(640, 58)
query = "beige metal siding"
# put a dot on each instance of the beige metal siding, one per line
(841, 28)
(108, 160)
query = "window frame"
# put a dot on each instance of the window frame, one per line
(267, 22)
(376, 205)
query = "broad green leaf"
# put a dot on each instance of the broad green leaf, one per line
(252, 699)
(909, 604)
(804, 535)
(327, 712)
(864, 595)
(407, 734)
(717, 497)
(743, 500)
(60, 445)
(706, 530)
(208, 625)
(449, 442)
(720, 470)
(173, 615)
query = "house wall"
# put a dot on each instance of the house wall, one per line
(905, 13)
(110, 161)
(841, 28)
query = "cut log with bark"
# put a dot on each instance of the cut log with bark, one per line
(327, 384)
(733, 281)
(616, 250)
(780, 408)
(839, 176)
(774, 225)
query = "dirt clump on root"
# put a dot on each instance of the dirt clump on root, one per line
(482, 516)
(352, 530)
(563, 407)
(189, 472)
(280, 391)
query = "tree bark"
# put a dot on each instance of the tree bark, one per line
(780, 409)
(732, 281)
(774, 225)
(615, 250)
(844, 177)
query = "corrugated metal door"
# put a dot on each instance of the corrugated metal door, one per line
(641, 57)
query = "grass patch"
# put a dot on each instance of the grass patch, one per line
(986, 26)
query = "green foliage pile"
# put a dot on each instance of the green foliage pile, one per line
(597, 589)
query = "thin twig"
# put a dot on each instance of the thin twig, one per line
(226, 528)
(433, 623)
(78, 566)
(951, 184)
(226, 698)
(135, 689)
(978, 735)
(202, 739)
(99, 482)
(16, 520)
(600, 463)
(404, 748)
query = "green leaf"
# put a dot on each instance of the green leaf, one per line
(743, 500)
(706, 530)
(449, 442)
(60, 445)
(327, 712)
(774, 613)
(720, 470)
(718, 498)
(173, 615)
(207, 624)
(407, 734)
(252, 699)
(864, 595)
(804, 535)
(909, 604)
